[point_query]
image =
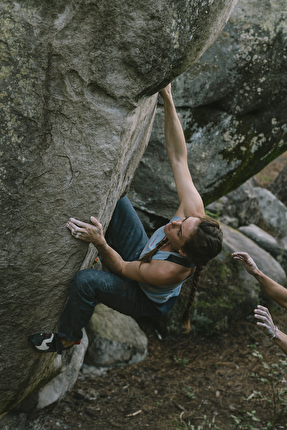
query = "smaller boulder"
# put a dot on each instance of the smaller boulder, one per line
(262, 238)
(114, 339)
(273, 211)
(57, 388)
(236, 241)
(279, 186)
(237, 208)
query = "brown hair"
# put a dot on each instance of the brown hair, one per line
(201, 247)
(148, 256)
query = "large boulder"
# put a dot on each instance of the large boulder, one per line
(233, 107)
(76, 118)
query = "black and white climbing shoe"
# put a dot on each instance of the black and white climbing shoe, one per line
(47, 342)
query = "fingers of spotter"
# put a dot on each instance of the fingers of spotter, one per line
(263, 315)
(261, 312)
(242, 256)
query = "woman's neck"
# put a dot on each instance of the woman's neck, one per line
(167, 247)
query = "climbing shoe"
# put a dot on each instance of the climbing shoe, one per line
(47, 342)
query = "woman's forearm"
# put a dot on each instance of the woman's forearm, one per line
(174, 136)
(274, 290)
(281, 341)
(110, 258)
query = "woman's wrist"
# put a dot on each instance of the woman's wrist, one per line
(258, 274)
(101, 246)
(274, 334)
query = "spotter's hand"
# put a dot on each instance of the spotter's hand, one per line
(265, 320)
(247, 262)
(87, 232)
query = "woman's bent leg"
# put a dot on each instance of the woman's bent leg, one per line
(90, 287)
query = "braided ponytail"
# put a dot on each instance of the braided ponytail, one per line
(147, 257)
(185, 319)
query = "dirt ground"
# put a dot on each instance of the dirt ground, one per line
(235, 380)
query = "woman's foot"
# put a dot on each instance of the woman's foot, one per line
(49, 342)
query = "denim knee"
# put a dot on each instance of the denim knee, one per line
(80, 286)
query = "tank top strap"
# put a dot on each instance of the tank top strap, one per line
(179, 260)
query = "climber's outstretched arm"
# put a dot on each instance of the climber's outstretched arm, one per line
(191, 203)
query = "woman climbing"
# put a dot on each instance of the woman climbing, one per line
(145, 275)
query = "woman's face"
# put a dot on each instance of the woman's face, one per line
(179, 231)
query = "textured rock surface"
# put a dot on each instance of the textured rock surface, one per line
(75, 121)
(279, 186)
(233, 107)
(273, 211)
(114, 339)
(277, 248)
(235, 241)
(262, 238)
(241, 204)
(70, 363)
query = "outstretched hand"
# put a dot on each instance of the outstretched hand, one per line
(265, 320)
(166, 92)
(247, 262)
(87, 232)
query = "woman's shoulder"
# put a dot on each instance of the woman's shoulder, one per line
(171, 273)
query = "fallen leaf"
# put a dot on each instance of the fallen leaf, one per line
(134, 414)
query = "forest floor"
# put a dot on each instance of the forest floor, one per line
(235, 380)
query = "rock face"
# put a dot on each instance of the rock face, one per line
(70, 364)
(76, 118)
(279, 186)
(258, 214)
(240, 205)
(233, 107)
(273, 211)
(262, 238)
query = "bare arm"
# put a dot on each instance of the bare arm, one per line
(191, 203)
(159, 273)
(265, 321)
(274, 290)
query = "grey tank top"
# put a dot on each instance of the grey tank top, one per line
(163, 293)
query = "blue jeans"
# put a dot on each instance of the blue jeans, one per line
(90, 287)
